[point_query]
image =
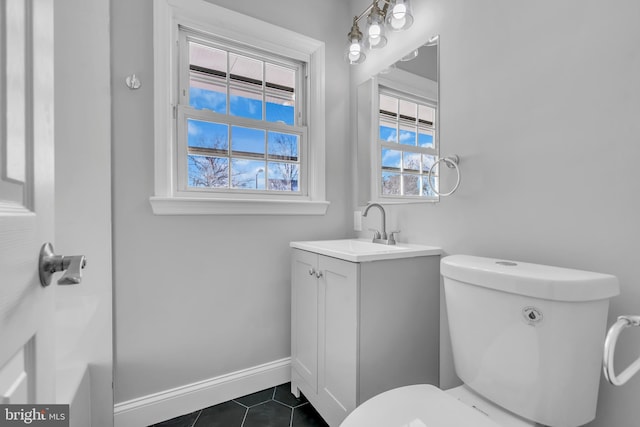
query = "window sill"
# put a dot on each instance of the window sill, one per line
(204, 206)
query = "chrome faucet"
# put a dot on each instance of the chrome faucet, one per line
(381, 236)
(378, 234)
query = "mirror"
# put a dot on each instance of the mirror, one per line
(397, 129)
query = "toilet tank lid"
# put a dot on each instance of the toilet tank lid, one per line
(539, 281)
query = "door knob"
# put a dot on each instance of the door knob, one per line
(50, 263)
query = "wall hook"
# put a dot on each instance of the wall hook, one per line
(133, 82)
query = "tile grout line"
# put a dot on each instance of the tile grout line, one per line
(246, 412)
(197, 418)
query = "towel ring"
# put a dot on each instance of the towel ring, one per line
(623, 322)
(451, 162)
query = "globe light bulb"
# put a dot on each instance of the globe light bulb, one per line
(399, 17)
(375, 30)
(398, 23)
(399, 11)
(354, 51)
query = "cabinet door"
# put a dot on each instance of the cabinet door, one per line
(304, 316)
(337, 369)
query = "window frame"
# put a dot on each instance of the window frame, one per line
(223, 24)
(186, 112)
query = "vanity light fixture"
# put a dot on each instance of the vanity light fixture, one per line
(355, 52)
(395, 15)
(375, 28)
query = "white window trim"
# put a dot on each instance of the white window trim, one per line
(406, 82)
(224, 23)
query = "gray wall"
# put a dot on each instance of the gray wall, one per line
(83, 193)
(540, 101)
(201, 296)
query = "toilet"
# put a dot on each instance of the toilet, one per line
(527, 343)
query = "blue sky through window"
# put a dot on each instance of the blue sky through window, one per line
(207, 134)
(242, 173)
(247, 140)
(425, 140)
(201, 99)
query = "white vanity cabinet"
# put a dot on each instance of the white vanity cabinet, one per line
(361, 328)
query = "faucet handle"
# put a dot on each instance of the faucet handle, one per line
(376, 233)
(392, 238)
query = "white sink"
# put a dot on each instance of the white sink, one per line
(363, 250)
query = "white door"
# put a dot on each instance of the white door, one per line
(27, 370)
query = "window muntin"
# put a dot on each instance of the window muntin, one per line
(245, 128)
(407, 145)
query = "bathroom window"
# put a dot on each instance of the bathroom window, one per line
(406, 146)
(240, 97)
(241, 122)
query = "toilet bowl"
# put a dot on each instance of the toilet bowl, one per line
(527, 343)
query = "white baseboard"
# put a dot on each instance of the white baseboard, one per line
(147, 410)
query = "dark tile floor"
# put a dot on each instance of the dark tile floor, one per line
(273, 407)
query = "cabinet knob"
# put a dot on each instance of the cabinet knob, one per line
(318, 274)
(312, 271)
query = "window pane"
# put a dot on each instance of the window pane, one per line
(280, 94)
(411, 185)
(280, 77)
(247, 174)
(209, 59)
(425, 137)
(207, 171)
(391, 159)
(388, 131)
(208, 95)
(245, 103)
(389, 105)
(244, 69)
(247, 142)
(426, 189)
(408, 110)
(407, 135)
(283, 146)
(214, 136)
(390, 183)
(207, 77)
(283, 176)
(426, 114)
(411, 162)
(427, 162)
(280, 109)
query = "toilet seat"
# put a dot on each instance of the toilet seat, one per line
(420, 405)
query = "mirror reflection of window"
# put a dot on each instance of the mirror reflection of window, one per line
(406, 140)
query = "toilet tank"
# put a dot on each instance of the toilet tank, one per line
(529, 337)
